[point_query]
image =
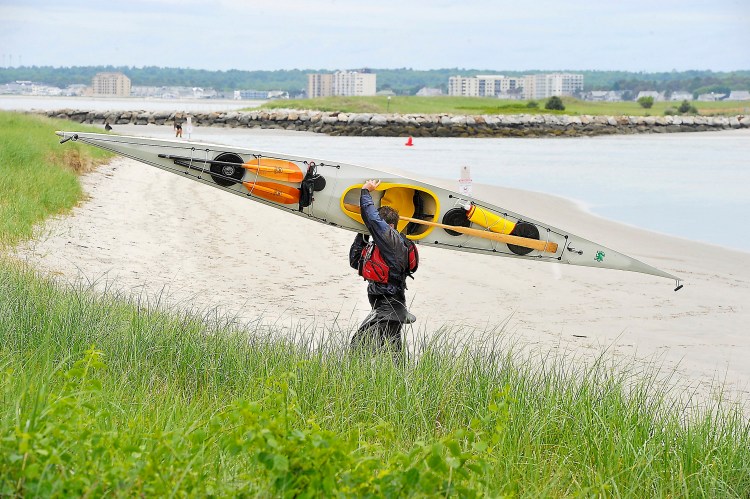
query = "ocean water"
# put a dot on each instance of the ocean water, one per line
(690, 185)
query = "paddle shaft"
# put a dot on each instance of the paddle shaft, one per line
(524, 242)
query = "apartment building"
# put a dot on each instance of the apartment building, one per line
(540, 86)
(319, 85)
(485, 86)
(545, 85)
(110, 84)
(347, 83)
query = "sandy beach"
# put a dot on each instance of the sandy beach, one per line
(149, 233)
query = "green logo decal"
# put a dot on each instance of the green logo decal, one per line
(599, 256)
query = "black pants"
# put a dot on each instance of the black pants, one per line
(381, 329)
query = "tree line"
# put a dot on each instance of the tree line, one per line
(405, 81)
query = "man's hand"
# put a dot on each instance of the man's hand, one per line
(371, 185)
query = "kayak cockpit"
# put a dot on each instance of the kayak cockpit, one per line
(409, 200)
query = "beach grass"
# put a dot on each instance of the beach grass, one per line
(491, 106)
(105, 394)
(37, 179)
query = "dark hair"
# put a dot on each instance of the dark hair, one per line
(389, 215)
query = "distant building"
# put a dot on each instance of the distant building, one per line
(251, 94)
(658, 97)
(147, 91)
(739, 95)
(41, 89)
(486, 86)
(429, 92)
(680, 96)
(346, 83)
(204, 93)
(712, 97)
(543, 86)
(539, 86)
(603, 96)
(319, 85)
(75, 89)
(110, 84)
(174, 92)
(25, 87)
(17, 87)
(352, 83)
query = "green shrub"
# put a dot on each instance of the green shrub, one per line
(554, 103)
(646, 102)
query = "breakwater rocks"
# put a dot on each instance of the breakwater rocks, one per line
(418, 125)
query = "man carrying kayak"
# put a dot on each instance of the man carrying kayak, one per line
(385, 263)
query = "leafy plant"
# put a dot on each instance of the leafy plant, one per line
(554, 103)
(646, 102)
(686, 107)
(296, 458)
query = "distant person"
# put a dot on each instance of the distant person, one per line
(385, 263)
(177, 128)
(107, 126)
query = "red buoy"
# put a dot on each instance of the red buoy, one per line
(409, 142)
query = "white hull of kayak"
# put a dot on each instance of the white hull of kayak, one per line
(275, 180)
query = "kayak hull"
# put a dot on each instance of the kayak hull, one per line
(439, 217)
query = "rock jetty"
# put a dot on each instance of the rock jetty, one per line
(417, 125)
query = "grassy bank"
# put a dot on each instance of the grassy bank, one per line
(476, 105)
(164, 403)
(106, 395)
(37, 179)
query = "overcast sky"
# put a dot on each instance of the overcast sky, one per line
(514, 35)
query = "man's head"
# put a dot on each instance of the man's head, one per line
(389, 215)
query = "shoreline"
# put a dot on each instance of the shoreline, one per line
(207, 133)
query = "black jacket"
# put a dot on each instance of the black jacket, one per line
(388, 240)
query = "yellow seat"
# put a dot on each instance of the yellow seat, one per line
(400, 199)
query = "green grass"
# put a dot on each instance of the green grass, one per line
(109, 395)
(165, 402)
(38, 178)
(477, 105)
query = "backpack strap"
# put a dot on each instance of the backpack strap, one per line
(412, 257)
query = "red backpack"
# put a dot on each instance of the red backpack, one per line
(373, 267)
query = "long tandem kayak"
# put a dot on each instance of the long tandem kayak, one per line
(328, 192)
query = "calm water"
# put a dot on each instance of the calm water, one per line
(691, 185)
